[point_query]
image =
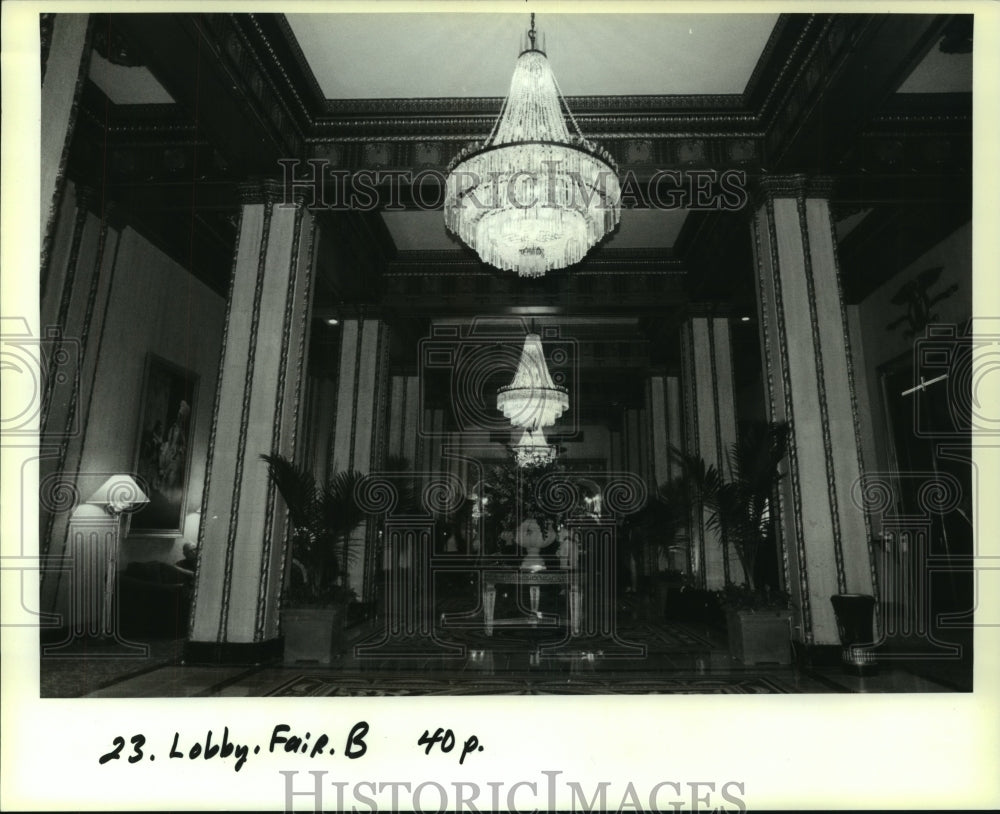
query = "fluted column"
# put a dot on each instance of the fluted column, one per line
(256, 412)
(710, 431)
(810, 384)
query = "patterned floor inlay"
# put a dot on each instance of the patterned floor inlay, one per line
(665, 637)
(315, 685)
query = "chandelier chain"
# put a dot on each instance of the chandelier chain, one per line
(565, 104)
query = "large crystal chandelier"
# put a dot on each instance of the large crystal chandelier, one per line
(532, 400)
(532, 197)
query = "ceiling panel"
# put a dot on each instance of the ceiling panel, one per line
(419, 231)
(422, 55)
(639, 228)
(647, 228)
(939, 72)
(125, 85)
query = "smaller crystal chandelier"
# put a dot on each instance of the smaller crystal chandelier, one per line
(532, 196)
(532, 400)
(533, 449)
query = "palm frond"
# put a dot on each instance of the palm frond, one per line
(297, 487)
(321, 521)
(339, 506)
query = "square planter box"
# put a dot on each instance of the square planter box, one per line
(760, 637)
(312, 634)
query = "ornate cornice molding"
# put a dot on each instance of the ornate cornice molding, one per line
(644, 133)
(256, 75)
(268, 191)
(488, 107)
(796, 185)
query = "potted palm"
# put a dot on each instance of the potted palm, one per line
(738, 507)
(758, 619)
(315, 598)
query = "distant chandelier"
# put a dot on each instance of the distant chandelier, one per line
(532, 400)
(532, 197)
(533, 449)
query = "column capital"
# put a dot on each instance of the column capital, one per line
(797, 185)
(269, 191)
(721, 310)
(358, 310)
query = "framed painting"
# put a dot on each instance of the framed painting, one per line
(163, 449)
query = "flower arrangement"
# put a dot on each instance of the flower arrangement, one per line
(513, 495)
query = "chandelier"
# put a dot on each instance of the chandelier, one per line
(533, 449)
(532, 196)
(532, 400)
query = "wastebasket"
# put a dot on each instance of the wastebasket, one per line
(855, 621)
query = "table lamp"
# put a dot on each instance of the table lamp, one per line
(120, 495)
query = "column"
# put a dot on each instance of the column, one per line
(397, 405)
(810, 385)
(710, 431)
(663, 406)
(645, 448)
(615, 458)
(403, 418)
(73, 310)
(316, 432)
(359, 442)
(63, 75)
(633, 441)
(434, 440)
(319, 393)
(257, 401)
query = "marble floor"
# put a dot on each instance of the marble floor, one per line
(674, 658)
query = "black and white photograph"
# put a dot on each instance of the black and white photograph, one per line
(391, 365)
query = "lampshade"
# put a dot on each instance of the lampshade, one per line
(532, 400)
(532, 196)
(119, 493)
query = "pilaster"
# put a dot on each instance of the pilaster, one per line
(826, 543)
